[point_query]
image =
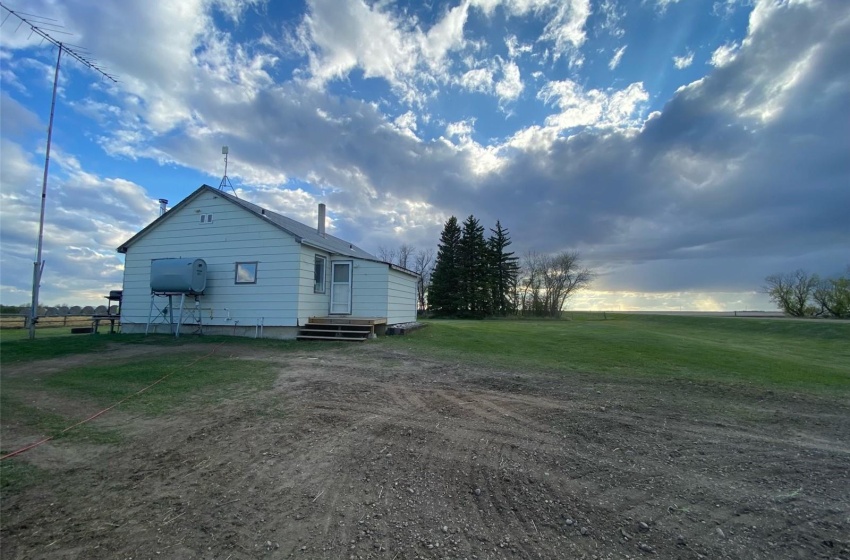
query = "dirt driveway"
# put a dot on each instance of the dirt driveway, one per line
(365, 452)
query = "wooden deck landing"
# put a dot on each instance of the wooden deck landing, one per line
(349, 329)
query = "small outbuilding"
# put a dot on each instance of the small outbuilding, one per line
(265, 275)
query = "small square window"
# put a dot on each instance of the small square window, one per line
(319, 274)
(246, 273)
(206, 218)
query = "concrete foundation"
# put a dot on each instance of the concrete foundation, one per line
(249, 331)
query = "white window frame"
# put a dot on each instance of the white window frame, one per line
(320, 287)
(256, 265)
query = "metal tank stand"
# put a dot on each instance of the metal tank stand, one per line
(165, 313)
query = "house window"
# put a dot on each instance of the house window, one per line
(206, 218)
(246, 272)
(319, 274)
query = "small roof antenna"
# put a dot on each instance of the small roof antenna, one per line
(225, 181)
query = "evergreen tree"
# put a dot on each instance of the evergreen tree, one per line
(474, 261)
(503, 272)
(443, 295)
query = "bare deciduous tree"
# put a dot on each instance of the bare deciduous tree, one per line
(549, 280)
(403, 255)
(423, 265)
(387, 254)
(562, 277)
(399, 257)
(531, 284)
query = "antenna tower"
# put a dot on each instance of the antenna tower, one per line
(44, 27)
(225, 181)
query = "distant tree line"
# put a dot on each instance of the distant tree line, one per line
(800, 294)
(474, 276)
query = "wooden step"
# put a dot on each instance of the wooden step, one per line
(344, 330)
(334, 331)
(336, 338)
(336, 326)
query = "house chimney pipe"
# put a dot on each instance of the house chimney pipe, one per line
(163, 206)
(321, 228)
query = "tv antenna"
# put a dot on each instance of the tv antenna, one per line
(44, 27)
(225, 181)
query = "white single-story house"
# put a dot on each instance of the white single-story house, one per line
(266, 274)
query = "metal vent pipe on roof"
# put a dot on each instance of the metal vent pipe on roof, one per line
(321, 228)
(163, 206)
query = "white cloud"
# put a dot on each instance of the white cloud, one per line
(510, 86)
(565, 26)
(406, 124)
(618, 56)
(724, 54)
(682, 62)
(662, 5)
(86, 217)
(515, 48)
(725, 8)
(479, 79)
(446, 35)
(340, 36)
(715, 171)
(460, 128)
(594, 108)
(295, 203)
(614, 15)
(407, 120)
(235, 9)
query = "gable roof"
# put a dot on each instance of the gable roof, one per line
(302, 233)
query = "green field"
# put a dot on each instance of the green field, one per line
(799, 355)
(101, 383)
(781, 354)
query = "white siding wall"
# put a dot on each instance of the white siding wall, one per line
(369, 289)
(310, 303)
(379, 291)
(401, 298)
(235, 235)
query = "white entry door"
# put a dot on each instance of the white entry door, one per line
(341, 288)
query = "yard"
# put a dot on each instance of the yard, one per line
(599, 437)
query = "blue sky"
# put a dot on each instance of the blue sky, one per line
(687, 149)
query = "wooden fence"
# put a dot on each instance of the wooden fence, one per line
(16, 321)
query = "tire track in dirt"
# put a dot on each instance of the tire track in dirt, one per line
(368, 454)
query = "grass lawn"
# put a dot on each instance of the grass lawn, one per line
(798, 355)
(795, 355)
(778, 354)
(200, 373)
